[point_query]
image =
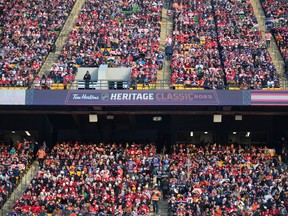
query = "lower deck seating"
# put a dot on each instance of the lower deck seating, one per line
(100, 179)
(227, 180)
(14, 162)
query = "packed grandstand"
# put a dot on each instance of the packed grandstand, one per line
(78, 178)
(15, 161)
(213, 44)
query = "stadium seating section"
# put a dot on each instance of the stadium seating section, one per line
(196, 59)
(218, 44)
(276, 22)
(214, 44)
(114, 33)
(77, 178)
(226, 180)
(28, 31)
(14, 162)
(110, 179)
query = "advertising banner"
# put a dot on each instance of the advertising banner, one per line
(275, 98)
(128, 97)
(12, 97)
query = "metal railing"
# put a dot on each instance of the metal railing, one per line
(284, 84)
(158, 85)
(13, 87)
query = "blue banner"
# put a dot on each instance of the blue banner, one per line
(128, 97)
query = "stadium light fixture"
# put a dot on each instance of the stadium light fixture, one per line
(157, 118)
(191, 134)
(93, 118)
(205, 132)
(217, 118)
(110, 117)
(27, 133)
(238, 117)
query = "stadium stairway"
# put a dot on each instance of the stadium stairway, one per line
(17, 193)
(61, 40)
(166, 29)
(163, 209)
(273, 49)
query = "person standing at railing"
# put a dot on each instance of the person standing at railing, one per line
(87, 79)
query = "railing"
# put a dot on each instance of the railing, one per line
(284, 84)
(12, 87)
(158, 85)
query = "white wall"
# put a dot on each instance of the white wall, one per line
(82, 71)
(102, 74)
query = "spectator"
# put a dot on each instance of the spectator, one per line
(268, 37)
(156, 194)
(87, 79)
(165, 187)
(41, 156)
(160, 60)
(168, 51)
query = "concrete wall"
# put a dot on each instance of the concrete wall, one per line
(104, 73)
(102, 76)
(118, 74)
(82, 71)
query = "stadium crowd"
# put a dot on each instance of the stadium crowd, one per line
(129, 179)
(214, 43)
(217, 43)
(28, 31)
(110, 179)
(14, 161)
(244, 54)
(195, 59)
(227, 180)
(117, 33)
(277, 23)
